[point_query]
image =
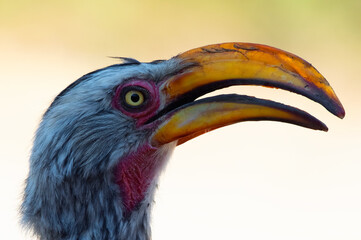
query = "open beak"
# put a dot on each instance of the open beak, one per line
(222, 65)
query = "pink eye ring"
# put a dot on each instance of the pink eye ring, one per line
(137, 98)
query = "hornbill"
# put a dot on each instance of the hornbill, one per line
(103, 141)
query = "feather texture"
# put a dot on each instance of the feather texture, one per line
(71, 192)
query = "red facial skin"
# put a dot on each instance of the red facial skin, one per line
(135, 172)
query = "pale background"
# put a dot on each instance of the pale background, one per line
(262, 180)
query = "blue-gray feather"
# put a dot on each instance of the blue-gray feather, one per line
(70, 192)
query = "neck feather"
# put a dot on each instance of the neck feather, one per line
(108, 206)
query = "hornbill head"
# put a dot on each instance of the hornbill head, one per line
(104, 140)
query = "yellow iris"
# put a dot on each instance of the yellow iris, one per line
(134, 98)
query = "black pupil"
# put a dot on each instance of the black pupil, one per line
(135, 97)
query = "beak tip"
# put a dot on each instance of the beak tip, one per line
(325, 128)
(337, 108)
(341, 113)
(318, 125)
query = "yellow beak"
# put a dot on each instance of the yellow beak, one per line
(222, 65)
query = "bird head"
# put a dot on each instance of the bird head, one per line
(103, 141)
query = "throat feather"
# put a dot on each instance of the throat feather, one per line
(135, 173)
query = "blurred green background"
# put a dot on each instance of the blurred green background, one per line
(248, 181)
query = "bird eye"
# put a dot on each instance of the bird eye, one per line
(134, 98)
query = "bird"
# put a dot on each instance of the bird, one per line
(104, 140)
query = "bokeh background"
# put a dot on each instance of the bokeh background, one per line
(254, 180)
